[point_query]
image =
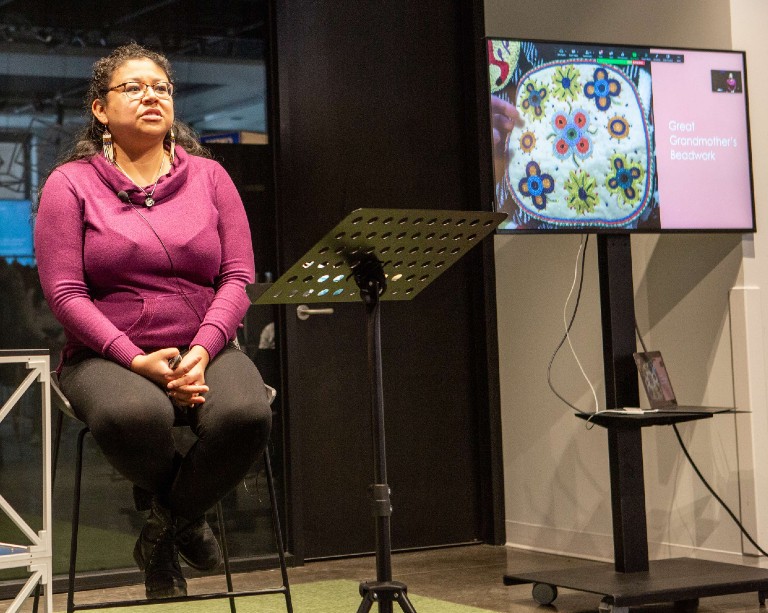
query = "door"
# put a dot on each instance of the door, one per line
(374, 109)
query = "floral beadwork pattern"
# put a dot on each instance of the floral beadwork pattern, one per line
(528, 142)
(536, 185)
(571, 137)
(573, 163)
(602, 88)
(533, 98)
(582, 192)
(566, 82)
(621, 181)
(618, 127)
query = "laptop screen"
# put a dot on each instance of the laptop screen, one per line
(653, 374)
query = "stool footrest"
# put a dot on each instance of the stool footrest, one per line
(190, 598)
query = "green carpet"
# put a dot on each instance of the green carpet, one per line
(320, 597)
(93, 552)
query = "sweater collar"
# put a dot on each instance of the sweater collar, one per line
(167, 185)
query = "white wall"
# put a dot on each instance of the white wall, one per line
(556, 471)
(750, 299)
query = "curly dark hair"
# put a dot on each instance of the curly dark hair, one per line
(88, 140)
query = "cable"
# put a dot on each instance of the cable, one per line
(582, 252)
(698, 472)
(640, 336)
(711, 491)
(582, 249)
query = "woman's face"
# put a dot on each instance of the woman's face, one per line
(135, 122)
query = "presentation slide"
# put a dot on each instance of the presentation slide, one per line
(702, 148)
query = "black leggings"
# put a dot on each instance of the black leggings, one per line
(131, 419)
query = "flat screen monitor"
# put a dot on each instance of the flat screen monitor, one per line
(618, 138)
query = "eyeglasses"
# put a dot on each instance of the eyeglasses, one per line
(136, 90)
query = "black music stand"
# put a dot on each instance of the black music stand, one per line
(371, 249)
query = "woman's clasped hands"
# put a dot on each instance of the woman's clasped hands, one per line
(184, 384)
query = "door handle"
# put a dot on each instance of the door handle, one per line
(303, 312)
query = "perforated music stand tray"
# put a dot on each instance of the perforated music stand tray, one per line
(374, 255)
(414, 247)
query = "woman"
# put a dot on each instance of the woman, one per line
(144, 251)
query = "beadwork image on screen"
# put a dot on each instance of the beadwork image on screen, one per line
(581, 153)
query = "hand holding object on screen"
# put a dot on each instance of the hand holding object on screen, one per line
(503, 118)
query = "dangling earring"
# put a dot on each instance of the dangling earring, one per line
(106, 145)
(172, 146)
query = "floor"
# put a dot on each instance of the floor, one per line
(467, 575)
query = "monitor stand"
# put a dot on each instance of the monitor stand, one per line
(634, 580)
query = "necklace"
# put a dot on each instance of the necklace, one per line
(149, 201)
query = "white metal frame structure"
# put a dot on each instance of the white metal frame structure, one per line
(37, 556)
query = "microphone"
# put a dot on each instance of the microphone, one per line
(123, 195)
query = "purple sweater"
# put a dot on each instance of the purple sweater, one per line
(106, 274)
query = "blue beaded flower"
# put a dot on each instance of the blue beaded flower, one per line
(536, 185)
(533, 99)
(622, 182)
(601, 88)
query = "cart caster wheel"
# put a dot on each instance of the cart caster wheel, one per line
(544, 593)
(687, 606)
(607, 607)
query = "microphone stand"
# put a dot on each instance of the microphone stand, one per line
(410, 248)
(370, 278)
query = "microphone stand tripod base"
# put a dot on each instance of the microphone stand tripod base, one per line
(384, 593)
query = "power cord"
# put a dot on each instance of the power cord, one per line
(640, 337)
(711, 491)
(578, 273)
(701, 477)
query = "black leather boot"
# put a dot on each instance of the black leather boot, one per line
(157, 555)
(142, 499)
(197, 544)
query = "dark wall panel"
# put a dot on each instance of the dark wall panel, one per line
(376, 109)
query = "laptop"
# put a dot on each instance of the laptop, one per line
(658, 387)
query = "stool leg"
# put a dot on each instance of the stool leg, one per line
(75, 521)
(225, 555)
(36, 602)
(277, 531)
(56, 446)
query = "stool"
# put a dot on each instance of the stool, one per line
(59, 400)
